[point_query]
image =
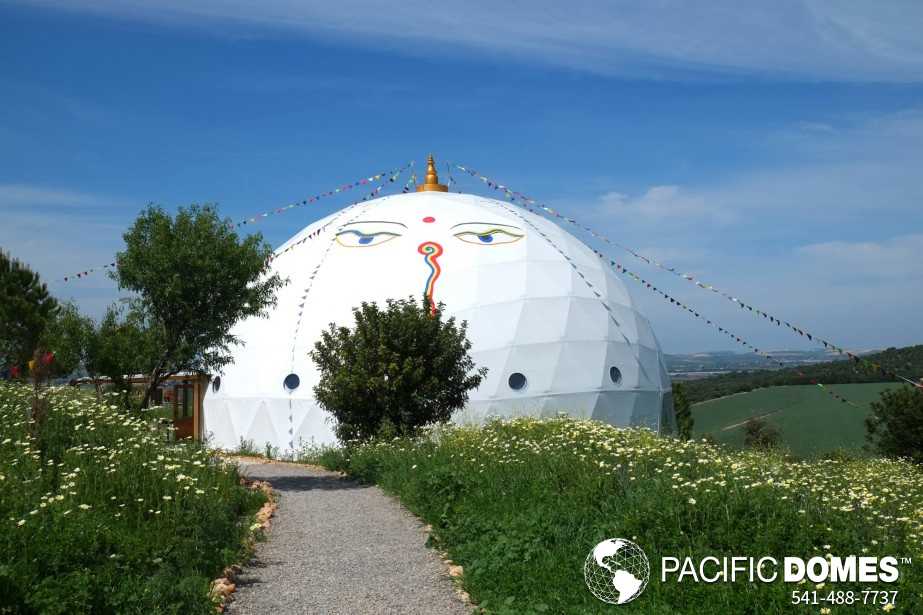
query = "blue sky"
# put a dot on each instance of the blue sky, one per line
(774, 150)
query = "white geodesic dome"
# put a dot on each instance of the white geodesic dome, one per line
(551, 322)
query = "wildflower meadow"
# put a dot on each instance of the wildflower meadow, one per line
(520, 503)
(100, 513)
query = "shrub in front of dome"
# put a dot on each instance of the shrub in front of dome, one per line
(398, 368)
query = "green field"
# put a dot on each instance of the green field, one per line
(810, 420)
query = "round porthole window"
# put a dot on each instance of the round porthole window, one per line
(615, 375)
(291, 382)
(216, 384)
(517, 381)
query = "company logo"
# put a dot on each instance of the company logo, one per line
(830, 569)
(616, 571)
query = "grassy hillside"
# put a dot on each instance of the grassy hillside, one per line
(98, 514)
(906, 361)
(520, 504)
(811, 422)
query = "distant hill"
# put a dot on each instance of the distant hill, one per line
(906, 361)
(701, 364)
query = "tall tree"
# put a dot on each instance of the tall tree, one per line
(397, 369)
(195, 279)
(69, 336)
(683, 409)
(26, 309)
(124, 344)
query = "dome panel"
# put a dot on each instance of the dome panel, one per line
(543, 320)
(580, 367)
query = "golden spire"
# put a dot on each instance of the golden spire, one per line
(432, 179)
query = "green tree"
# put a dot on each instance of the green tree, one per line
(69, 336)
(26, 309)
(683, 409)
(895, 426)
(195, 279)
(397, 369)
(124, 344)
(760, 434)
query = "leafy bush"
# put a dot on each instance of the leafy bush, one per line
(520, 504)
(895, 426)
(100, 514)
(69, 336)
(331, 457)
(760, 434)
(397, 369)
(247, 448)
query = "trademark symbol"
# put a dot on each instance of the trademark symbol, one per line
(906, 560)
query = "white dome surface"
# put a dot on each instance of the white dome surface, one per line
(537, 300)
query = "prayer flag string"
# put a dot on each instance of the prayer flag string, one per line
(316, 232)
(393, 175)
(677, 303)
(85, 273)
(724, 330)
(309, 283)
(522, 198)
(313, 199)
(448, 172)
(411, 181)
(587, 282)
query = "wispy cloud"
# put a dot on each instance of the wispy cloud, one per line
(831, 237)
(801, 39)
(896, 257)
(656, 204)
(17, 195)
(58, 232)
(860, 170)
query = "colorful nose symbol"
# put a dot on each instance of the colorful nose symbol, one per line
(431, 251)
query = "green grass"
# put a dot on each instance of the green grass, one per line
(98, 513)
(159, 412)
(520, 504)
(811, 421)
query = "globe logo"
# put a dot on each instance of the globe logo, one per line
(616, 571)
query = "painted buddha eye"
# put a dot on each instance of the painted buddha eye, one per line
(483, 233)
(358, 239)
(368, 234)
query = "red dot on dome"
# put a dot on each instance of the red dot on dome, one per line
(429, 219)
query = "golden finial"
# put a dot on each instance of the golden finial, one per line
(431, 183)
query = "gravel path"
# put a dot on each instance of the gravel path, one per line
(339, 547)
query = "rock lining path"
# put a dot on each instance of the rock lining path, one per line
(336, 546)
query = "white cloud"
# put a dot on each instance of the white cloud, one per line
(854, 172)
(656, 204)
(801, 39)
(897, 257)
(830, 238)
(12, 195)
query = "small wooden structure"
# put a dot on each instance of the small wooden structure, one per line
(182, 392)
(185, 393)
